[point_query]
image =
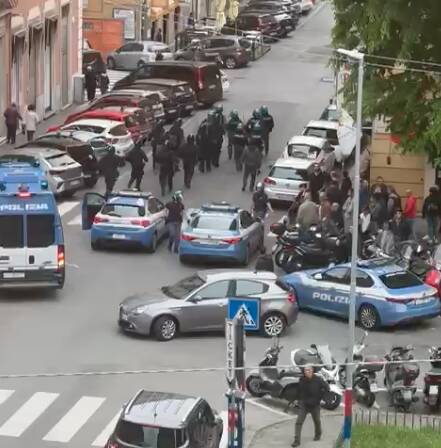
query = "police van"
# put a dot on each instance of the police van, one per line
(31, 235)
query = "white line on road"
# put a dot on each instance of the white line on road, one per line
(17, 424)
(5, 394)
(101, 440)
(66, 207)
(267, 408)
(68, 426)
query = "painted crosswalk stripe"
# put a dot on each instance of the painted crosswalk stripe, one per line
(72, 422)
(101, 440)
(66, 207)
(5, 394)
(17, 424)
(75, 221)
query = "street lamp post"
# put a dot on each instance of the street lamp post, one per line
(359, 57)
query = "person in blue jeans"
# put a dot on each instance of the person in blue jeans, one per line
(175, 209)
(431, 212)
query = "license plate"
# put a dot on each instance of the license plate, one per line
(423, 301)
(374, 388)
(433, 390)
(212, 242)
(118, 236)
(13, 275)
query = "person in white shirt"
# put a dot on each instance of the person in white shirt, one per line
(31, 120)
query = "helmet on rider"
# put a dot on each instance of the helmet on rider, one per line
(259, 186)
(177, 196)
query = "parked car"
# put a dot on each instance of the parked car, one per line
(307, 6)
(235, 51)
(114, 132)
(136, 54)
(180, 307)
(265, 23)
(294, 8)
(80, 151)
(203, 77)
(283, 181)
(306, 147)
(286, 22)
(166, 420)
(64, 175)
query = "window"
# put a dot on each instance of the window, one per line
(145, 436)
(86, 127)
(60, 160)
(337, 275)
(246, 220)
(122, 211)
(40, 230)
(398, 280)
(11, 231)
(218, 290)
(280, 172)
(245, 43)
(125, 48)
(119, 130)
(250, 288)
(363, 280)
(155, 205)
(184, 287)
(214, 222)
(137, 47)
(303, 151)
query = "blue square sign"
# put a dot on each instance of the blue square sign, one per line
(245, 309)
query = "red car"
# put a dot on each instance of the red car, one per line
(134, 118)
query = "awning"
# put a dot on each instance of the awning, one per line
(50, 10)
(18, 26)
(34, 18)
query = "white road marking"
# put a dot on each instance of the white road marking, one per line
(66, 207)
(17, 424)
(5, 394)
(72, 422)
(267, 408)
(75, 221)
(101, 440)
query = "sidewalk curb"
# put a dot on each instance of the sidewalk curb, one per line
(316, 11)
(264, 428)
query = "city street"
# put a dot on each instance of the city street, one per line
(75, 330)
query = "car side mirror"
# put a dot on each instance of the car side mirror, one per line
(196, 299)
(318, 276)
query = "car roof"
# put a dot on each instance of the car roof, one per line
(83, 136)
(160, 81)
(124, 200)
(379, 266)
(105, 114)
(162, 409)
(307, 140)
(293, 162)
(259, 14)
(226, 274)
(137, 92)
(324, 124)
(95, 122)
(197, 64)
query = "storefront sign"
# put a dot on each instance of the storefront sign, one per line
(128, 15)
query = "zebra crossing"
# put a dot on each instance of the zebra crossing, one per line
(114, 77)
(68, 425)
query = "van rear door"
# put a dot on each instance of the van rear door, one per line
(12, 247)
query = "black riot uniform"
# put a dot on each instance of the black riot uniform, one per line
(189, 155)
(157, 137)
(137, 159)
(109, 167)
(166, 158)
(239, 141)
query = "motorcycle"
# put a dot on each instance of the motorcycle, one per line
(268, 380)
(365, 375)
(400, 377)
(432, 380)
(325, 366)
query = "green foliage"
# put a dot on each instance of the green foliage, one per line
(398, 29)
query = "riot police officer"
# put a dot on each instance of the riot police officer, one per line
(255, 118)
(109, 167)
(231, 126)
(137, 158)
(157, 137)
(239, 141)
(219, 131)
(206, 142)
(267, 122)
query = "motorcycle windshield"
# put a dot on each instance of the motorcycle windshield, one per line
(325, 355)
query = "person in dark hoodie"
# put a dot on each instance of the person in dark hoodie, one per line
(251, 159)
(109, 167)
(166, 157)
(316, 182)
(12, 118)
(432, 212)
(137, 159)
(189, 155)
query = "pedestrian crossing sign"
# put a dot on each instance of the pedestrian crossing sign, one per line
(245, 309)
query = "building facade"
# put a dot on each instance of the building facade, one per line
(42, 50)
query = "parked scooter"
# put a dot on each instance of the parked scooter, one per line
(400, 377)
(432, 380)
(365, 375)
(271, 381)
(324, 365)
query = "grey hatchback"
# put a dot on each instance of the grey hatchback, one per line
(200, 303)
(166, 420)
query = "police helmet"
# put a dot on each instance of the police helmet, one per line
(177, 196)
(234, 114)
(219, 108)
(264, 110)
(259, 186)
(256, 113)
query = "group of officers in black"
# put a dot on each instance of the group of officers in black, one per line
(247, 144)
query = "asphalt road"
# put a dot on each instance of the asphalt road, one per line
(74, 330)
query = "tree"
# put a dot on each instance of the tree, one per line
(407, 93)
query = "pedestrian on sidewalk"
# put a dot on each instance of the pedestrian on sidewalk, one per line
(31, 120)
(158, 37)
(175, 209)
(311, 389)
(90, 83)
(410, 211)
(431, 213)
(12, 118)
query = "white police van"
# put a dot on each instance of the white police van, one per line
(31, 235)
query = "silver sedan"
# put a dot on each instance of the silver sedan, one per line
(200, 302)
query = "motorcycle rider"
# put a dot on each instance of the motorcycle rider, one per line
(267, 122)
(261, 203)
(137, 158)
(239, 143)
(156, 138)
(231, 127)
(251, 159)
(109, 167)
(311, 391)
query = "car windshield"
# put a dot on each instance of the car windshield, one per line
(144, 436)
(398, 280)
(302, 151)
(215, 222)
(60, 160)
(86, 127)
(122, 211)
(184, 287)
(244, 43)
(280, 172)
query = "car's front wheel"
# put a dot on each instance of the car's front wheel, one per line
(368, 317)
(230, 62)
(273, 324)
(165, 328)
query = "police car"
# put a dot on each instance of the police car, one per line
(221, 231)
(31, 236)
(387, 295)
(127, 218)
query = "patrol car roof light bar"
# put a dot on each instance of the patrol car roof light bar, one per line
(23, 191)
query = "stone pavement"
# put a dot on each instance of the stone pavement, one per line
(281, 434)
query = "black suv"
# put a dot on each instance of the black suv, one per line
(166, 420)
(257, 21)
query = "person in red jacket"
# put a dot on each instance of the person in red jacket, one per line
(410, 210)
